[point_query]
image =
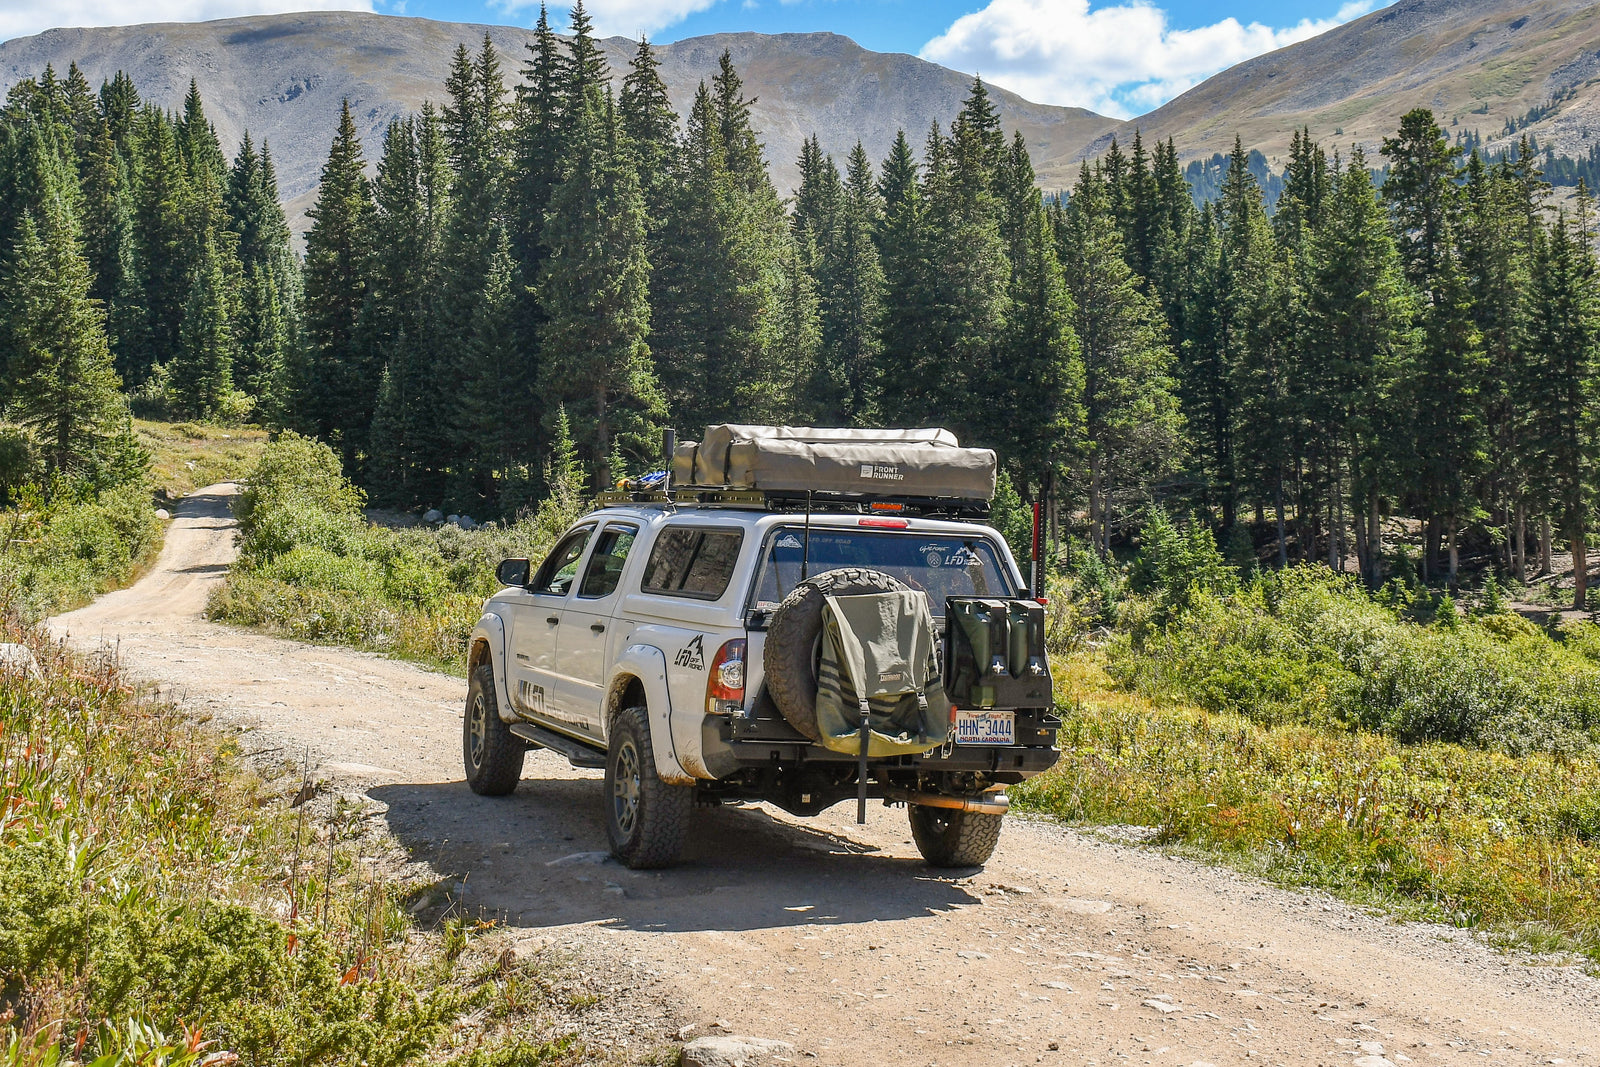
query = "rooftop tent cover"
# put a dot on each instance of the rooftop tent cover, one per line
(878, 462)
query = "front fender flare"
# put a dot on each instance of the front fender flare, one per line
(648, 665)
(491, 630)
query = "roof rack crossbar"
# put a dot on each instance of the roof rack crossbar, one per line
(784, 500)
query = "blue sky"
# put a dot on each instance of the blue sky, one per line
(1119, 57)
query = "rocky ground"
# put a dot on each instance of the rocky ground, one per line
(833, 943)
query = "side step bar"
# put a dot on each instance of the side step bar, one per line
(578, 754)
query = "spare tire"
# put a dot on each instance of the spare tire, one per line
(794, 636)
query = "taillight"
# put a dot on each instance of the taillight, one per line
(725, 684)
(890, 524)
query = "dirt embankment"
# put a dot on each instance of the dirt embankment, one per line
(836, 938)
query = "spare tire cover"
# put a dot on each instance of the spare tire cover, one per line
(789, 658)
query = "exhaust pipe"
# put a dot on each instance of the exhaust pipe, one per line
(987, 804)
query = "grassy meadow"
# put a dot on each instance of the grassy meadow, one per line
(163, 906)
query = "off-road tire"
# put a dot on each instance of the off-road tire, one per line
(491, 754)
(790, 656)
(647, 820)
(950, 838)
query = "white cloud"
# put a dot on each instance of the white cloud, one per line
(21, 17)
(1121, 60)
(625, 18)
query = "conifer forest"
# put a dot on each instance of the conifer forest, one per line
(552, 250)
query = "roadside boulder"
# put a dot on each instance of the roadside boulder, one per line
(163, 514)
(18, 659)
(731, 1050)
(433, 516)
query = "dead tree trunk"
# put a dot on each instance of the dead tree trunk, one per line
(1580, 570)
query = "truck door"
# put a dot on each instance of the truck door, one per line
(583, 660)
(536, 626)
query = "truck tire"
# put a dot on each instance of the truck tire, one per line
(950, 838)
(492, 755)
(790, 656)
(646, 819)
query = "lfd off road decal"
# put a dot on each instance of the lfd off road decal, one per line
(693, 655)
(530, 697)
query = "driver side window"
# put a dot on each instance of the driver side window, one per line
(561, 566)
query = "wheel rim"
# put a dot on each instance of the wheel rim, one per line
(625, 787)
(477, 731)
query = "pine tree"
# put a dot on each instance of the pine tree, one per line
(62, 385)
(1421, 194)
(202, 369)
(595, 291)
(845, 385)
(160, 239)
(907, 300)
(336, 384)
(1565, 420)
(651, 127)
(715, 287)
(120, 104)
(537, 148)
(1358, 335)
(740, 146)
(1259, 303)
(198, 146)
(269, 283)
(1132, 429)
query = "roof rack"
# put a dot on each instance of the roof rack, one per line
(797, 501)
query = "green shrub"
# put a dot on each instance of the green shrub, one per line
(1307, 646)
(18, 462)
(62, 554)
(311, 568)
(1175, 563)
(299, 473)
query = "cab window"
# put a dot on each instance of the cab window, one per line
(692, 561)
(604, 572)
(561, 566)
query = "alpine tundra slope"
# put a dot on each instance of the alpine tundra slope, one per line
(796, 633)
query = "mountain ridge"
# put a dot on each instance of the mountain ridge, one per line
(1476, 63)
(282, 78)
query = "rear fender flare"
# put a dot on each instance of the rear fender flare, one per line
(648, 666)
(490, 634)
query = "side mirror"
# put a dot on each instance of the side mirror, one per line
(512, 572)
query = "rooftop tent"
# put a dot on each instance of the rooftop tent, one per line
(868, 462)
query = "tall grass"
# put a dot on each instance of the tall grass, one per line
(158, 905)
(312, 568)
(1445, 831)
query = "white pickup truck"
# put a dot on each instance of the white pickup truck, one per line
(641, 645)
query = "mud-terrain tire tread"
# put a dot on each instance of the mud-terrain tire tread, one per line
(966, 838)
(501, 767)
(792, 635)
(665, 811)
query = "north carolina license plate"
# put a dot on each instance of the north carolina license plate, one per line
(986, 727)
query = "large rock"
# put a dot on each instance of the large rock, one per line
(731, 1050)
(18, 659)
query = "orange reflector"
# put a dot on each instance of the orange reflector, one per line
(892, 524)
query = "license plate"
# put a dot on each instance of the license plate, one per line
(986, 727)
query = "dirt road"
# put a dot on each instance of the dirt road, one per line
(1065, 950)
